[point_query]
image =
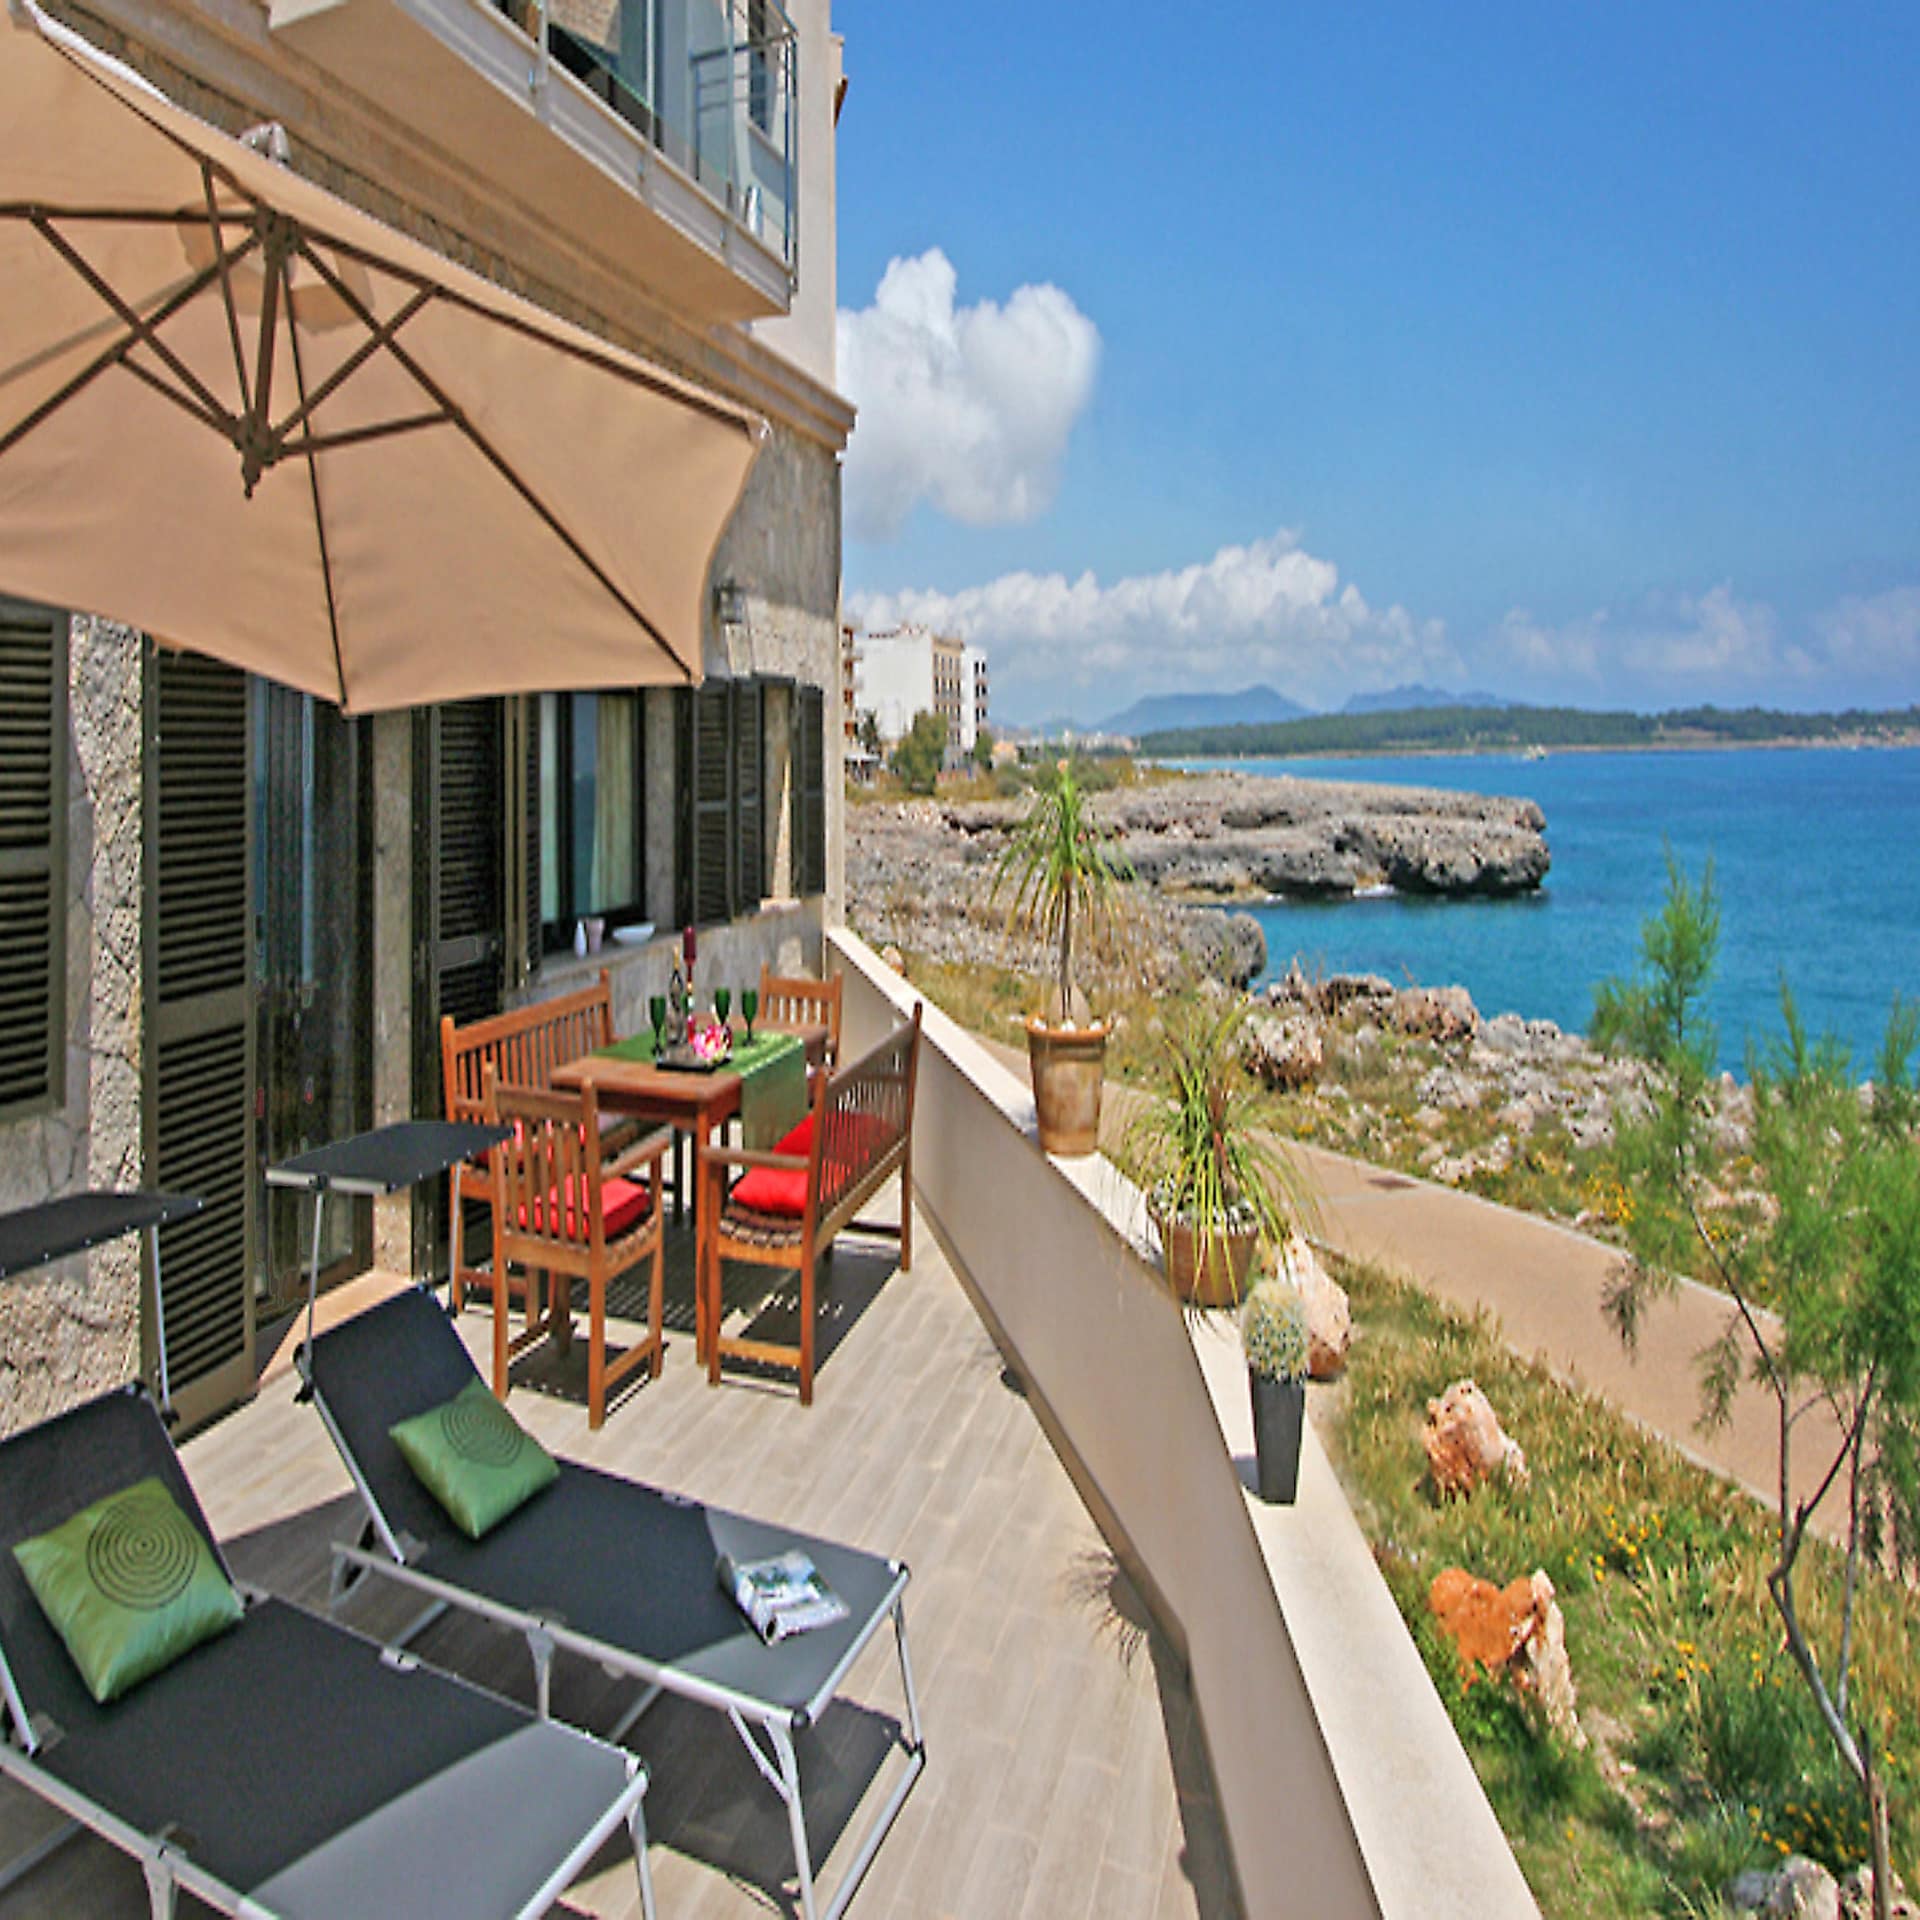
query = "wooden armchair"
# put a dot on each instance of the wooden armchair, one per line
(789, 1204)
(795, 1000)
(560, 1210)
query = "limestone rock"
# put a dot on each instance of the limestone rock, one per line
(1465, 1444)
(1803, 1890)
(1329, 1319)
(1284, 1053)
(1517, 1630)
(1856, 1897)
(1437, 1013)
(1543, 1668)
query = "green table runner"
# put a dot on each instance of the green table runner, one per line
(773, 1080)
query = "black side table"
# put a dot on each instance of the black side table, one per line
(373, 1165)
(36, 1236)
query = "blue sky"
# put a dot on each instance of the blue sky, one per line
(1567, 351)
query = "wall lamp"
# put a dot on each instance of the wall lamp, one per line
(730, 603)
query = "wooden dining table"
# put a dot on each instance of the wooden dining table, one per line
(697, 1104)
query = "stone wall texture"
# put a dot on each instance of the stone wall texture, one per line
(73, 1329)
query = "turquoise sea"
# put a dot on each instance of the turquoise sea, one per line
(1817, 854)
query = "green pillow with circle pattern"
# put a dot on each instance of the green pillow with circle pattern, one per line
(475, 1458)
(130, 1584)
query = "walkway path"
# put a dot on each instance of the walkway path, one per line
(1544, 1284)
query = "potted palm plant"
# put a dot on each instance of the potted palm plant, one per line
(1066, 877)
(1273, 1331)
(1216, 1191)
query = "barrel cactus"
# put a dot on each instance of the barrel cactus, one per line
(1273, 1329)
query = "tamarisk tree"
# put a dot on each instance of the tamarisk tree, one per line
(1833, 1252)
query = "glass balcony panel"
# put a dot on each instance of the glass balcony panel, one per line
(711, 83)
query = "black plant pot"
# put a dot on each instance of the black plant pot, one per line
(1279, 1407)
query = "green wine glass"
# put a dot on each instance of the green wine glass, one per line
(749, 1008)
(657, 1013)
(722, 1000)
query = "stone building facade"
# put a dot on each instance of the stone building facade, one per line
(700, 298)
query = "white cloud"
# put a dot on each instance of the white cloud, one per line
(1686, 645)
(969, 408)
(1266, 611)
(1877, 637)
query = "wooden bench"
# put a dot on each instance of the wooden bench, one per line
(788, 1205)
(520, 1049)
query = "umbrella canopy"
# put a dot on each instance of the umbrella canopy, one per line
(250, 419)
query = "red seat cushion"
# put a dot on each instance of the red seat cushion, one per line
(798, 1139)
(623, 1205)
(781, 1190)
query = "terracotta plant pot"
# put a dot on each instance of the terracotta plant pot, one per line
(1218, 1280)
(1069, 1067)
(1279, 1409)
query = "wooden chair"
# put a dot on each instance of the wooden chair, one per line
(561, 1211)
(793, 999)
(521, 1049)
(789, 1204)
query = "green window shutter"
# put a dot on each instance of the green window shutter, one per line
(33, 808)
(810, 790)
(712, 787)
(199, 1059)
(464, 819)
(749, 782)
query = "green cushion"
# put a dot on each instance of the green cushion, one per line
(475, 1458)
(130, 1584)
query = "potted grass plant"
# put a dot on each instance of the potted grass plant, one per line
(1273, 1332)
(1217, 1192)
(1066, 879)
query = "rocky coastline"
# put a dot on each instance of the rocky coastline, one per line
(1238, 836)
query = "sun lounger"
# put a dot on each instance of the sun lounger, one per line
(286, 1767)
(616, 1572)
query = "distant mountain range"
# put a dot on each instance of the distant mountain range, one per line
(1252, 706)
(1414, 698)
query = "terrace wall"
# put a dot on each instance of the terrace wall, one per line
(1337, 1772)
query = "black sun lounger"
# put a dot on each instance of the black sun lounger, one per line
(617, 1572)
(287, 1767)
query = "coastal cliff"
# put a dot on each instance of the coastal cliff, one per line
(1236, 836)
(919, 871)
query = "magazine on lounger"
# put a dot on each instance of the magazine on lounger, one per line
(782, 1595)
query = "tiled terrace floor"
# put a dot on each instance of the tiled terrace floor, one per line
(1065, 1775)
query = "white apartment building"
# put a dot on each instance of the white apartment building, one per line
(911, 670)
(973, 697)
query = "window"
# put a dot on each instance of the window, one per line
(759, 67)
(591, 810)
(33, 812)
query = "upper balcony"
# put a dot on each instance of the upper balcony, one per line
(659, 133)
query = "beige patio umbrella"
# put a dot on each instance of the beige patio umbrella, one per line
(250, 419)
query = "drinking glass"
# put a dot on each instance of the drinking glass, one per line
(657, 1013)
(722, 1000)
(749, 1007)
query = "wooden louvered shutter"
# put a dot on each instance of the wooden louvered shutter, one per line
(529, 816)
(711, 785)
(749, 782)
(199, 1068)
(33, 759)
(810, 791)
(463, 821)
(459, 818)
